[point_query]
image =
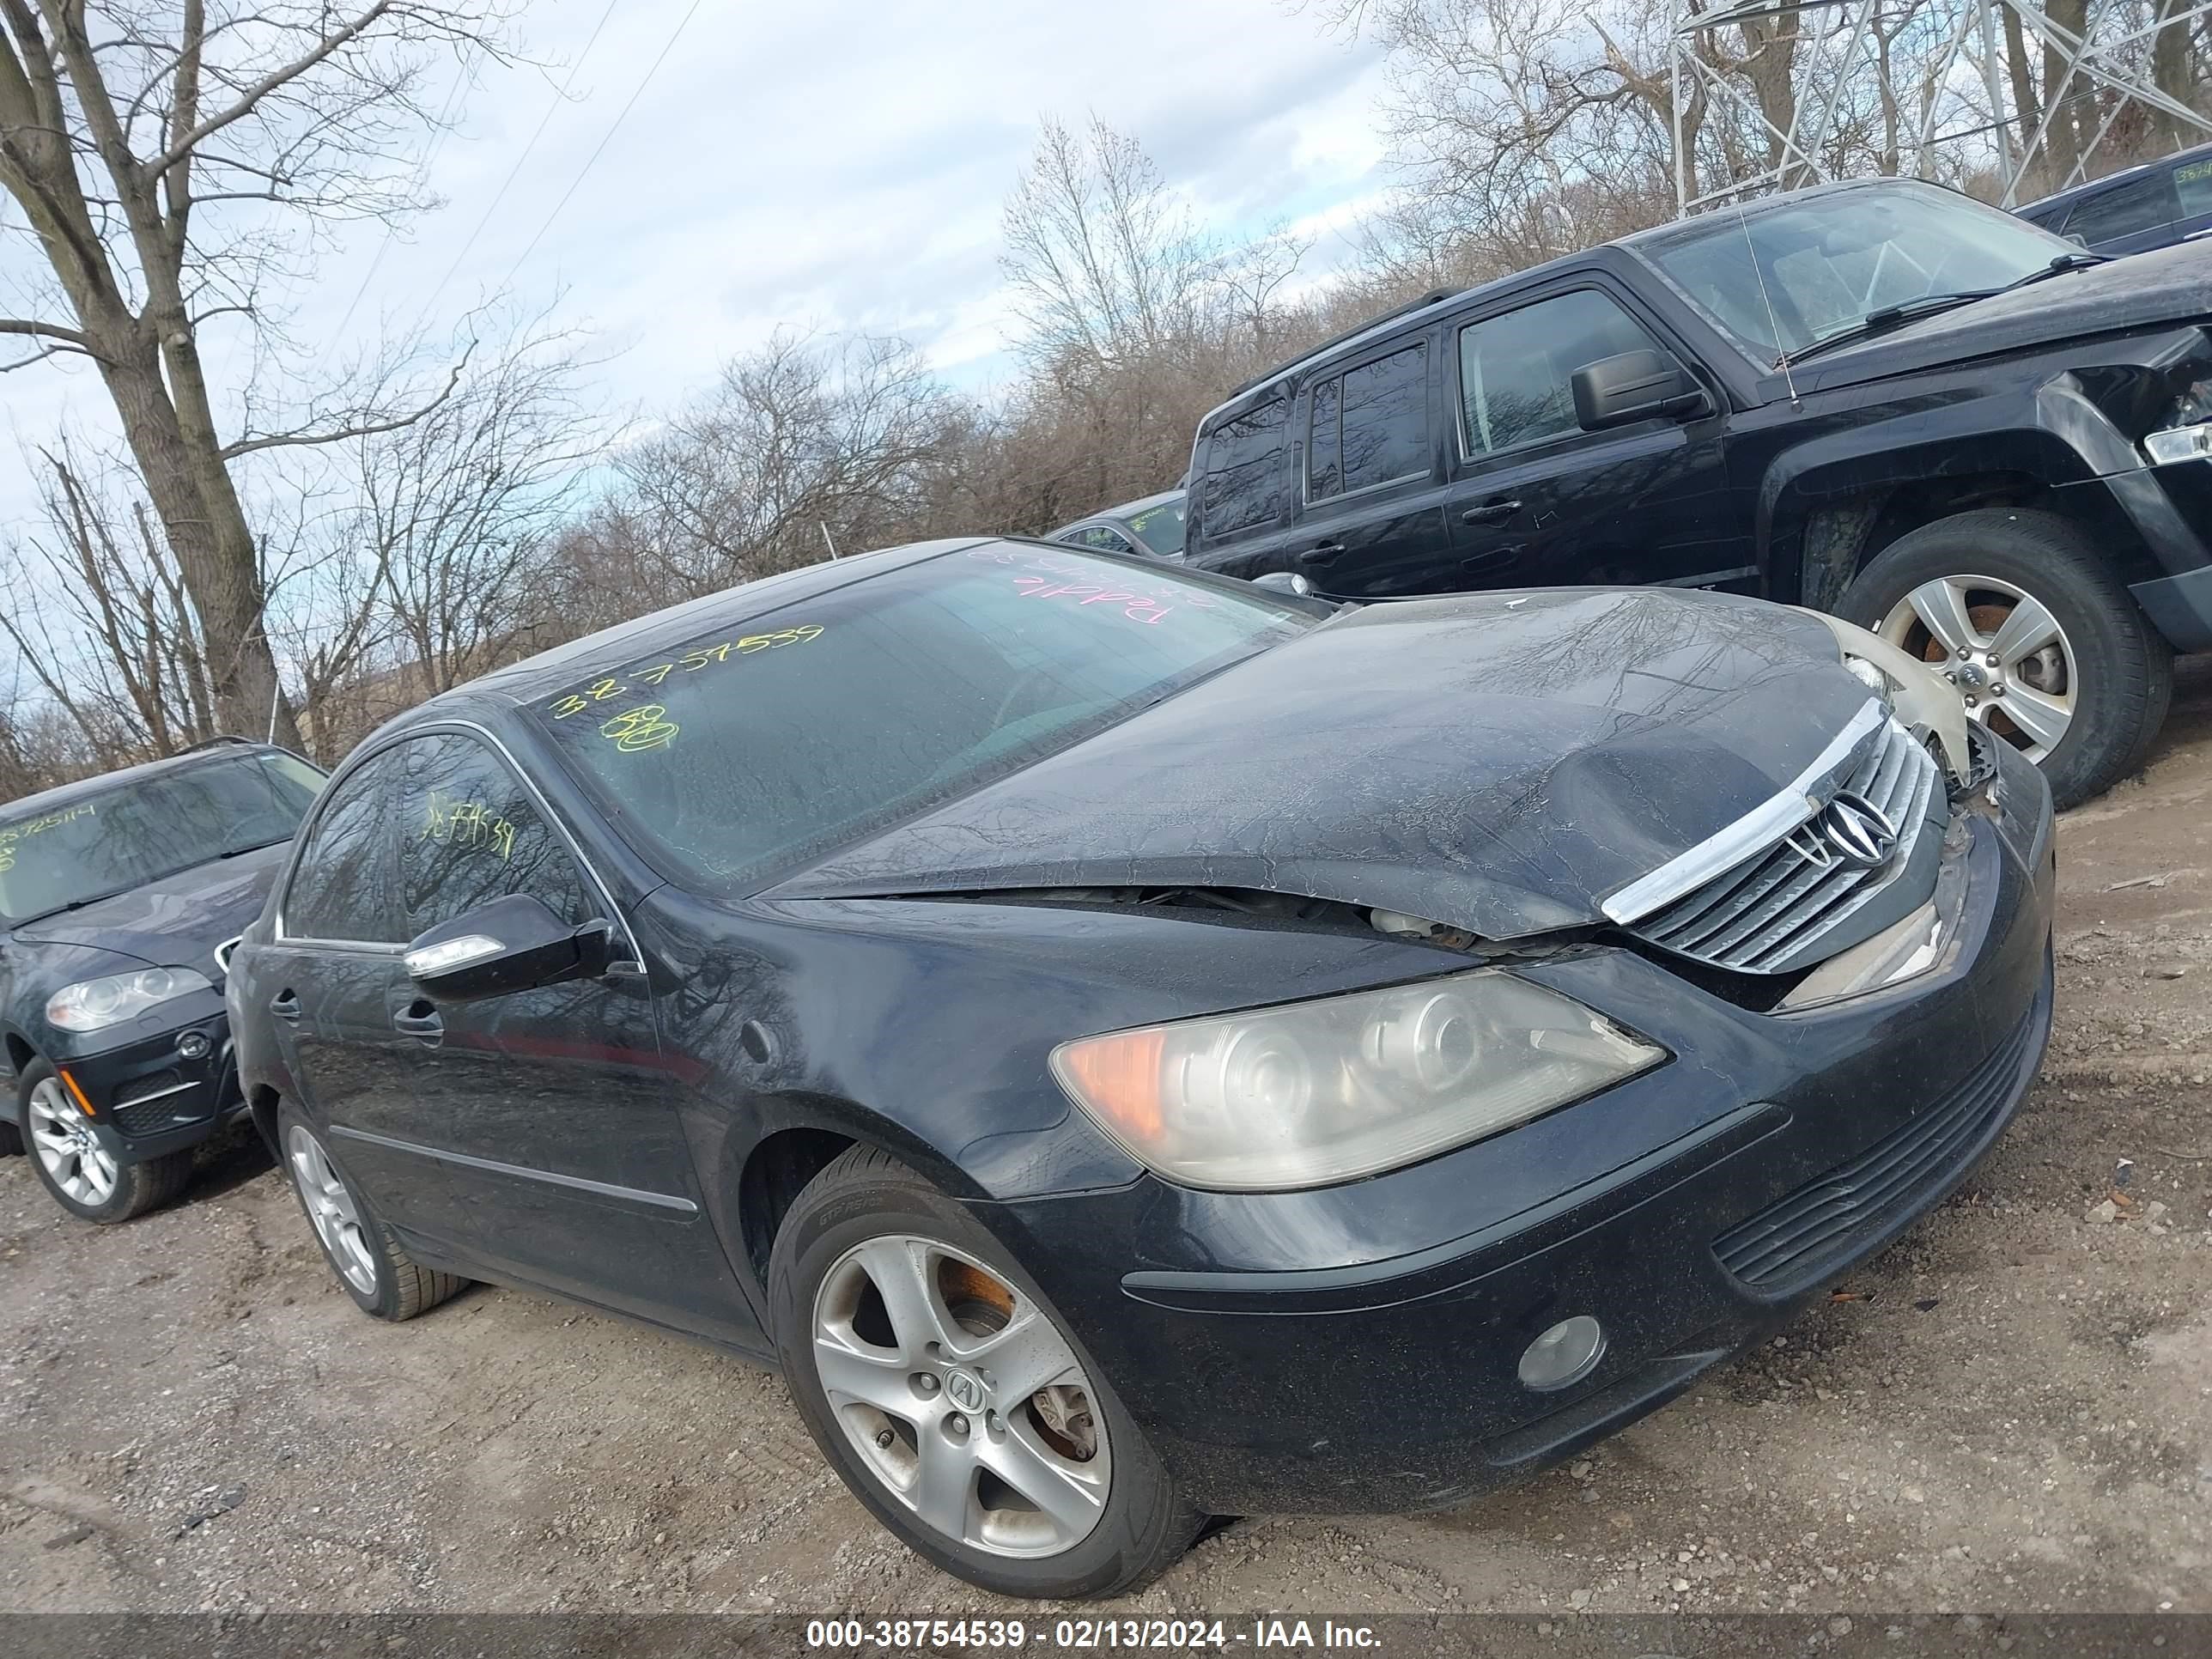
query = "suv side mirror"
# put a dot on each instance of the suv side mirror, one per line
(1635, 385)
(512, 944)
(1285, 582)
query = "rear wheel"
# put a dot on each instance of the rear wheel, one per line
(382, 1278)
(2044, 644)
(82, 1176)
(953, 1400)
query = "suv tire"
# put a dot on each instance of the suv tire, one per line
(1113, 1519)
(2116, 671)
(90, 1184)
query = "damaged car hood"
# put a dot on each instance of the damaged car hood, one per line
(1497, 762)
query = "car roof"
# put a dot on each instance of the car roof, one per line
(1127, 510)
(69, 794)
(2092, 186)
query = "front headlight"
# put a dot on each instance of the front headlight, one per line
(2186, 435)
(1920, 696)
(1319, 1092)
(92, 1005)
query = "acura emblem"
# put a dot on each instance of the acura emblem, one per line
(1851, 830)
(966, 1390)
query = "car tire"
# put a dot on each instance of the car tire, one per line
(383, 1281)
(1113, 1519)
(85, 1180)
(2115, 669)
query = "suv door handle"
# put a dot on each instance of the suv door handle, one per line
(285, 1006)
(1490, 512)
(421, 1021)
(1322, 553)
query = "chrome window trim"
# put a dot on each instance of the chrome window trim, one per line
(1754, 832)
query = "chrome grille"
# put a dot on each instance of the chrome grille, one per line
(1790, 904)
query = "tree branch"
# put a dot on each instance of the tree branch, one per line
(300, 438)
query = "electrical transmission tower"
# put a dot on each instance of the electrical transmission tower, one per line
(2092, 77)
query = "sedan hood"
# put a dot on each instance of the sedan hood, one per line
(176, 920)
(2167, 286)
(1498, 762)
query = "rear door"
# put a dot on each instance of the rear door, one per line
(1537, 501)
(551, 1109)
(2136, 214)
(333, 968)
(1370, 515)
(1240, 492)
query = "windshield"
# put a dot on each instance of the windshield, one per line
(769, 742)
(1830, 260)
(112, 842)
(1160, 528)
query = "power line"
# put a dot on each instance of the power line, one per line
(682, 24)
(422, 177)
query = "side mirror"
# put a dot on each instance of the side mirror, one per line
(512, 944)
(1635, 385)
(1285, 582)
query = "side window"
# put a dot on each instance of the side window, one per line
(2141, 204)
(341, 889)
(1514, 370)
(1243, 471)
(1102, 535)
(2192, 181)
(1371, 424)
(469, 832)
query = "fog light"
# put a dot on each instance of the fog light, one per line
(1564, 1354)
(192, 1046)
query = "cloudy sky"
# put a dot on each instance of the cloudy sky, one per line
(838, 163)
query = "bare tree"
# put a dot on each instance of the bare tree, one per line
(174, 161)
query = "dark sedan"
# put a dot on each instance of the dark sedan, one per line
(1152, 525)
(116, 895)
(1131, 1047)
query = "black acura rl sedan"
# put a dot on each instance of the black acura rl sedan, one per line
(1133, 1047)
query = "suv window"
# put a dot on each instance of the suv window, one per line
(2192, 181)
(342, 886)
(1514, 370)
(2128, 210)
(469, 832)
(1243, 473)
(1370, 425)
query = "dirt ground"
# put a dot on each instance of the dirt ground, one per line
(2012, 1410)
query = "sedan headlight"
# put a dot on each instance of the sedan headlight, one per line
(1315, 1093)
(1920, 697)
(92, 1005)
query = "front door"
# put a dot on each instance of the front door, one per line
(1538, 502)
(552, 1109)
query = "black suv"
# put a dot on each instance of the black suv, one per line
(117, 897)
(1881, 399)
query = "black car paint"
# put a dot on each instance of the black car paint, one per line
(175, 920)
(2171, 221)
(616, 1152)
(1780, 488)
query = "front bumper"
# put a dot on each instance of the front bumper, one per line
(150, 1097)
(1356, 1348)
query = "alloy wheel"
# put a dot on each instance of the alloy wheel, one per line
(72, 1157)
(961, 1397)
(330, 1208)
(2004, 650)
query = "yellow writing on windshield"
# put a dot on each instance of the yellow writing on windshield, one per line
(20, 832)
(454, 821)
(636, 730)
(689, 662)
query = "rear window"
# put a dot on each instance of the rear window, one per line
(114, 840)
(767, 744)
(1243, 474)
(1160, 528)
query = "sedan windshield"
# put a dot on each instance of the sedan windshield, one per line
(110, 842)
(1830, 262)
(766, 742)
(1160, 528)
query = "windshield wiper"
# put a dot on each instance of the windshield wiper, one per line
(1888, 317)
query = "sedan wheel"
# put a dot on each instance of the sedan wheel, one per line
(76, 1166)
(2005, 652)
(962, 1397)
(331, 1210)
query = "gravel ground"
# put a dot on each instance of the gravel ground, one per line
(2011, 1410)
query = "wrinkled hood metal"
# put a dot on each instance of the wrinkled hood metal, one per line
(1498, 762)
(2166, 287)
(176, 921)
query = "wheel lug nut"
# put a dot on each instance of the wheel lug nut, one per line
(957, 1423)
(925, 1383)
(1970, 702)
(1997, 690)
(1964, 654)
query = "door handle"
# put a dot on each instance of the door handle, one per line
(421, 1021)
(1322, 553)
(1490, 512)
(285, 1006)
